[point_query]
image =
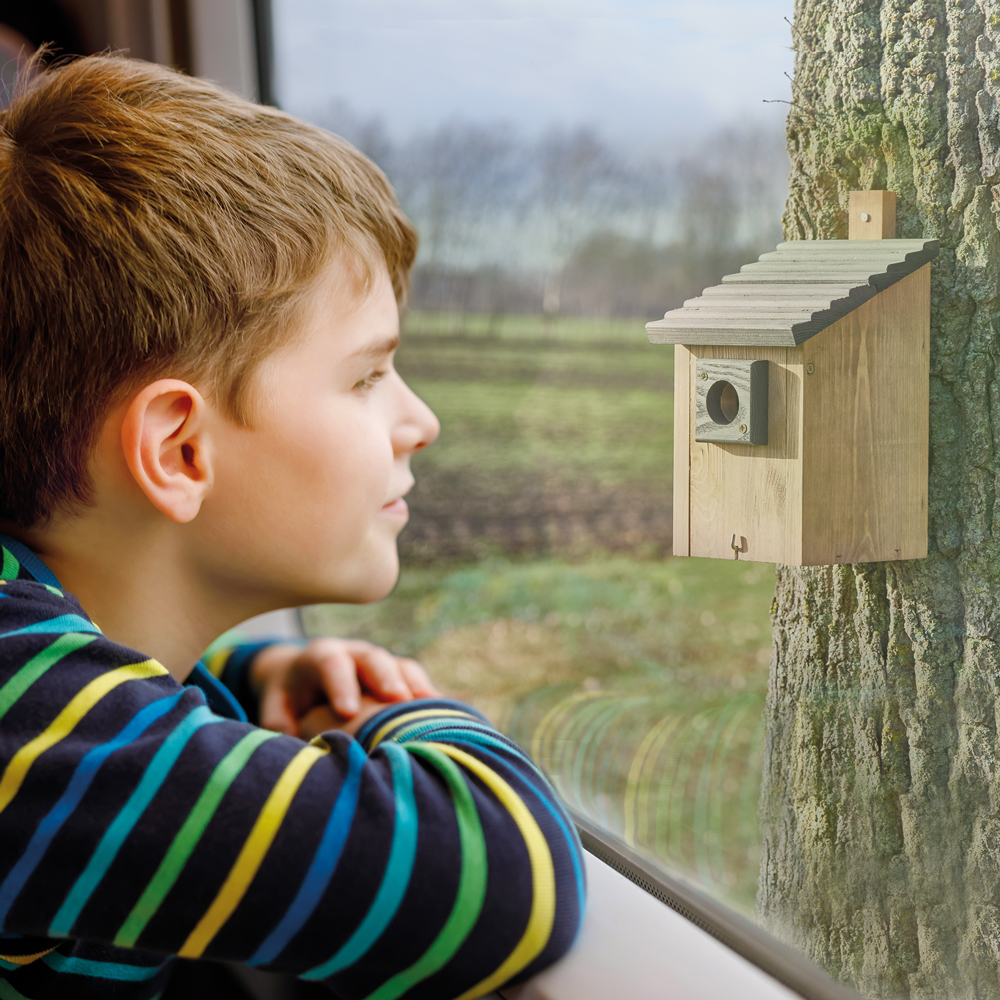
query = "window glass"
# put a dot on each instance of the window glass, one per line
(574, 170)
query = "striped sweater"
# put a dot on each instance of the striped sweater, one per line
(142, 819)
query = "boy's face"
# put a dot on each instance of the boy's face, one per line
(308, 502)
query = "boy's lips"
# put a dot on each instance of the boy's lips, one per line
(396, 508)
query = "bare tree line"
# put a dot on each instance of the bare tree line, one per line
(567, 222)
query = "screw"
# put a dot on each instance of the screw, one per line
(865, 217)
(704, 376)
(810, 368)
(743, 428)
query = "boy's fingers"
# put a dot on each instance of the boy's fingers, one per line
(275, 713)
(416, 677)
(319, 719)
(380, 672)
(338, 675)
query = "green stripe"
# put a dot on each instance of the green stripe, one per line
(11, 567)
(7, 992)
(187, 838)
(37, 665)
(471, 883)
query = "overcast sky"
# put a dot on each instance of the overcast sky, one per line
(644, 73)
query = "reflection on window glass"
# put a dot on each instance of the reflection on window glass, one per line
(565, 195)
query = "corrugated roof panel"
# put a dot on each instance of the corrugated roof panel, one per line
(792, 293)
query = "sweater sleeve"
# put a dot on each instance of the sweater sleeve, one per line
(230, 663)
(426, 858)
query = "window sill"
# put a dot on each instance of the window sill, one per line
(634, 946)
(649, 936)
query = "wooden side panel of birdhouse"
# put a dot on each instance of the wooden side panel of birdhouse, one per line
(865, 431)
(750, 491)
(683, 429)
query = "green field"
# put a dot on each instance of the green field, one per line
(536, 585)
(551, 443)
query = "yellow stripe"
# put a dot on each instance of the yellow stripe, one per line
(252, 854)
(26, 959)
(426, 713)
(217, 661)
(60, 727)
(543, 880)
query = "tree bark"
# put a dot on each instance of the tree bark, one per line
(880, 803)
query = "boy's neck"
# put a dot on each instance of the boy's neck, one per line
(139, 589)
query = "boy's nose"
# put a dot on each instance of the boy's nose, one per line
(417, 427)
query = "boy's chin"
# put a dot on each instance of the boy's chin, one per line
(372, 586)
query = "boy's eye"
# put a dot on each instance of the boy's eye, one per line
(369, 380)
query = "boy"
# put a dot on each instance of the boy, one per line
(201, 423)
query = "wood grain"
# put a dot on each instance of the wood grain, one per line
(747, 490)
(749, 380)
(683, 432)
(793, 294)
(844, 476)
(865, 428)
(880, 207)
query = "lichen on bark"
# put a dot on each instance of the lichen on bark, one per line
(880, 804)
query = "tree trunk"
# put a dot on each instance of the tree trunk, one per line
(881, 797)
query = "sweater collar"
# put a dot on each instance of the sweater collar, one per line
(20, 563)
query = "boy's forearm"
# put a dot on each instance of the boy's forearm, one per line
(430, 848)
(232, 664)
(520, 888)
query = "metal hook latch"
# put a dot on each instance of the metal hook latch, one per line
(735, 546)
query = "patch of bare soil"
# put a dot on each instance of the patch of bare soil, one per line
(456, 517)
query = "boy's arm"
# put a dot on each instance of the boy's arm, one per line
(428, 851)
(231, 662)
(277, 681)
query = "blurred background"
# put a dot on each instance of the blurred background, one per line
(575, 168)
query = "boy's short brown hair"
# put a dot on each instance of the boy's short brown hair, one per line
(154, 225)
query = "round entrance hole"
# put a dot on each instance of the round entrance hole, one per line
(723, 402)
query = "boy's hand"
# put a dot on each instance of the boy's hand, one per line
(323, 718)
(349, 678)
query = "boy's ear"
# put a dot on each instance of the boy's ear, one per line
(165, 441)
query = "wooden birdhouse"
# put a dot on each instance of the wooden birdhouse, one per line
(801, 401)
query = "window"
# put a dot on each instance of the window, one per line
(572, 177)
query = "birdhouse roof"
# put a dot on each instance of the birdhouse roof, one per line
(792, 294)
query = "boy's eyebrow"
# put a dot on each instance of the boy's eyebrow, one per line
(377, 350)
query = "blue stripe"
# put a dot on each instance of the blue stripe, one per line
(380, 719)
(484, 734)
(324, 863)
(416, 731)
(397, 873)
(64, 623)
(546, 794)
(220, 699)
(154, 776)
(29, 560)
(85, 773)
(480, 741)
(102, 970)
